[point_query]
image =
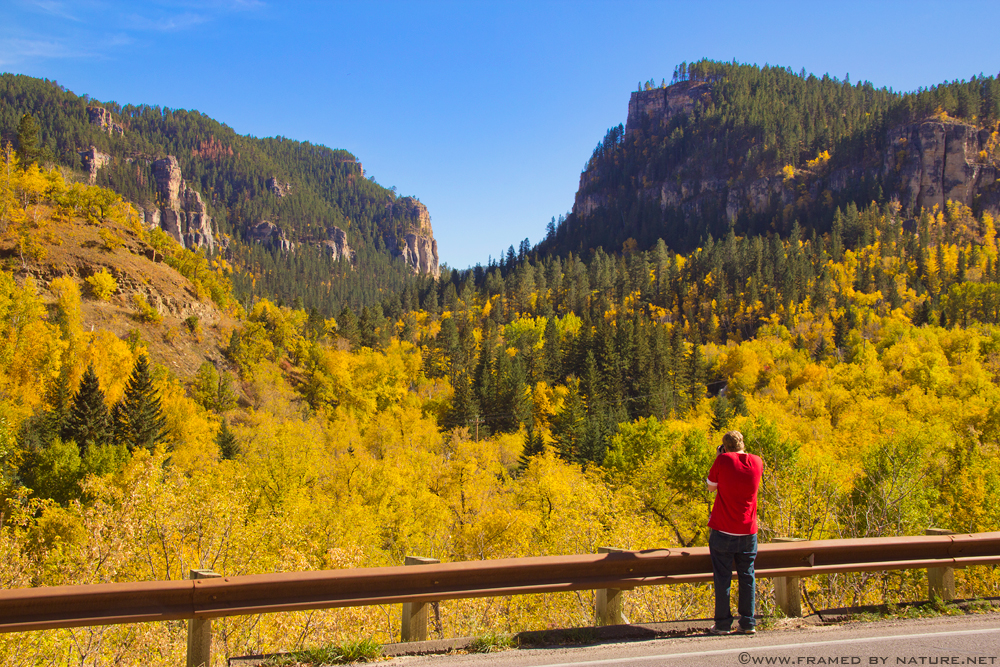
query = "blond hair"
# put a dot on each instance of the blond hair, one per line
(733, 441)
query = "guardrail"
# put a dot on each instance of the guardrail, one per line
(206, 598)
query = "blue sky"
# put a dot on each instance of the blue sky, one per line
(486, 111)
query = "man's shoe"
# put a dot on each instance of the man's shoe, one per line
(716, 630)
(746, 631)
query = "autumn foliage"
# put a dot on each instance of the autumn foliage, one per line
(545, 406)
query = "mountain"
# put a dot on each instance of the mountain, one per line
(759, 149)
(302, 221)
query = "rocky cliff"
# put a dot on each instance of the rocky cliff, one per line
(662, 104)
(271, 235)
(182, 214)
(93, 160)
(416, 243)
(102, 118)
(937, 161)
(336, 244)
(921, 164)
(296, 197)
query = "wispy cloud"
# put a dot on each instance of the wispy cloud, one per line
(239, 5)
(54, 8)
(65, 29)
(165, 23)
(15, 50)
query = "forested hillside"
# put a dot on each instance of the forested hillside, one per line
(303, 190)
(545, 405)
(760, 148)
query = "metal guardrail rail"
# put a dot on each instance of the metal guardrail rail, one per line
(101, 604)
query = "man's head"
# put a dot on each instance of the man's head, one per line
(732, 441)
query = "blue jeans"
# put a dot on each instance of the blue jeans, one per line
(727, 551)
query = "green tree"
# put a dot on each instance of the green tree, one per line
(89, 424)
(27, 141)
(229, 446)
(569, 425)
(138, 417)
(214, 390)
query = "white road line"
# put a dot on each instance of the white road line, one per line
(755, 649)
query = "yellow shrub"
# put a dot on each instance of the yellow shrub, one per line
(103, 285)
(820, 161)
(144, 311)
(110, 240)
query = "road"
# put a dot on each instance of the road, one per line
(950, 640)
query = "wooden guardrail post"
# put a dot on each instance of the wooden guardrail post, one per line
(608, 601)
(415, 613)
(199, 652)
(787, 595)
(940, 580)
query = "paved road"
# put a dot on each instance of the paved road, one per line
(963, 640)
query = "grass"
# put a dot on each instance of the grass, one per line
(932, 609)
(492, 642)
(978, 606)
(362, 650)
(768, 622)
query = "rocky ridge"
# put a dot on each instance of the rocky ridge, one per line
(926, 164)
(93, 160)
(102, 118)
(183, 214)
(271, 235)
(180, 211)
(417, 246)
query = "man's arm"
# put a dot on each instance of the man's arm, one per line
(713, 476)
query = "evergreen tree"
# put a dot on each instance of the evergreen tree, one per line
(89, 424)
(27, 141)
(533, 446)
(721, 413)
(138, 418)
(569, 425)
(464, 411)
(551, 352)
(58, 398)
(347, 326)
(229, 446)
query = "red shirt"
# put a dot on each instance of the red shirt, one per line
(738, 477)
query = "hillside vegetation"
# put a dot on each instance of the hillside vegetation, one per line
(540, 406)
(320, 188)
(796, 146)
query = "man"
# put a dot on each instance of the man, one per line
(732, 539)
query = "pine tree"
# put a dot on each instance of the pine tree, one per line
(27, 141)
(551, 352)
(58, 398)
(721, 413)
(569, 425)
(138, 418)
(88, 424)
(347, 326)
(533, 446)
(229, 446)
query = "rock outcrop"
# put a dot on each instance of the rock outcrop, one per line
(278, 188)
(270, 235)
(925, 164)
(938, 161)
(93, 160)
(416, 245)
(662, 104)
(336, 244)
(102, 117)
(183, 214)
